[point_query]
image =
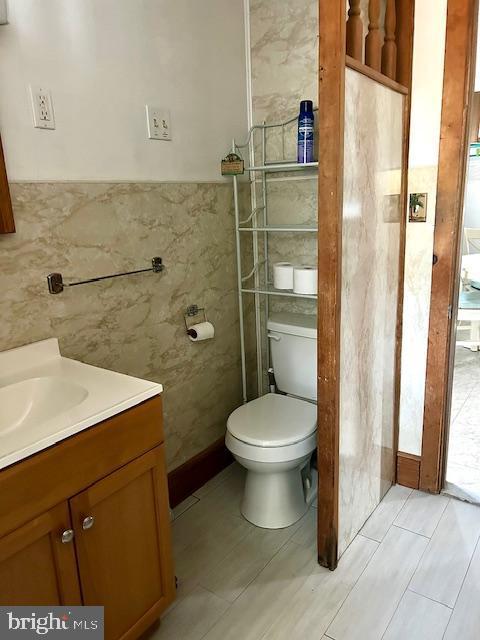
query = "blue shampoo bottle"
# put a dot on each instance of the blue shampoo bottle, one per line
(305, 132)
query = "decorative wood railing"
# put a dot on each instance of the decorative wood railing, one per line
(386, 49)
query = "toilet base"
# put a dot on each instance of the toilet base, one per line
(277, 495)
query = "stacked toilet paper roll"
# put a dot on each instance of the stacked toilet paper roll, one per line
(299, 278)
(283, 275)
(305, 280)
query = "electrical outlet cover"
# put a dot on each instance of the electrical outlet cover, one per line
(42, 107)
(158, 123)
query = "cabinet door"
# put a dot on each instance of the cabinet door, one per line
(123, 544)
(36, 567)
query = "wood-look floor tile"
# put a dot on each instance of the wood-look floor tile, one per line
(418, 618)
(314, 605)
(465, 621)
(184, 505)
(306, 533)
(192, 618)
(263, 601)
(207, 515)
(217, 480)
(443, 567)
(227, 496)
(372, 602)
(211, 547)
(229, 578)
(421, 513)
(382, 518)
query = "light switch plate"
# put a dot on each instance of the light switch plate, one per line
(42, 106)
(158, 123)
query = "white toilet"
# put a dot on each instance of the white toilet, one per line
(274, 436)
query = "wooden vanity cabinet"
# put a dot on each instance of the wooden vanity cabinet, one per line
(114, 521)
(35, 566)
(123, 554)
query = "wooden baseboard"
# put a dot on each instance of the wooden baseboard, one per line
(408, 470)
(194, 473)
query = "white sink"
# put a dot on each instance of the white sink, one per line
(30, 402)
(45, 398)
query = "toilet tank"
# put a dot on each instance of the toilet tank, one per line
(293, 348)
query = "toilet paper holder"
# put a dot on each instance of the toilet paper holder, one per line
(190, 316)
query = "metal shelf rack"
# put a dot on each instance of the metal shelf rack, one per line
(259, 229)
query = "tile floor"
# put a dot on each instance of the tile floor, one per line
(413, 573)
(463, 462)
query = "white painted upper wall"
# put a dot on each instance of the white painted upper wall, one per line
(103, 60)
(427, 82)
(427, 88)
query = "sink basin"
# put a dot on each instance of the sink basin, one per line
(33, 401)
(46, 398)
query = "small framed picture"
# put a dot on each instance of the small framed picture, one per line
(417, 208)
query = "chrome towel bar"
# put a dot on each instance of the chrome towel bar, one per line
(56, 283)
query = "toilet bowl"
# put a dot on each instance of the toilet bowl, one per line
(274, 437)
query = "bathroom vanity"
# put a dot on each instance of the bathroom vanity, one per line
(85, 519)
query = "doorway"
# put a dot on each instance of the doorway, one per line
(452, 327)
(462, 478)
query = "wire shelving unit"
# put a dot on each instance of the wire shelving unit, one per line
(256, 280)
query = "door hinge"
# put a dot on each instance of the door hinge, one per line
(449, 312)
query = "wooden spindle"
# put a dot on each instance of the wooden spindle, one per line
(373, 41)
(389, 49)
(354, 31)
(404, 40)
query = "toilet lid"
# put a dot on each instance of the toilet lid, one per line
(273, 421)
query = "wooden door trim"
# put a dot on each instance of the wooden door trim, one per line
(7, 224)
(331, 119)
(405, 30)
(459, 70)
(408, 470)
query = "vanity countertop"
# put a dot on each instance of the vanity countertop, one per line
(45, 398)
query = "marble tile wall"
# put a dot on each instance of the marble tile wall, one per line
(284, 66)
(371, 233)
(135, 324)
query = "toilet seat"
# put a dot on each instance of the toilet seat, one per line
(271, 454)
(274, 421)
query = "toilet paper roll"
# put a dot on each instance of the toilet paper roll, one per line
(201, 331)
(305, 280)
(283, 275)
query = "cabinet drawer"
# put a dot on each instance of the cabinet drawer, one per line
(32, 486)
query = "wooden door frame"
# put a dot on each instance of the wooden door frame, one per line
(7, 224)
(331, 121)
(405, 37)
(331, 116)
(460, 54)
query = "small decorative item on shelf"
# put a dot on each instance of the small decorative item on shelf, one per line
(417, 207)
(232, 165)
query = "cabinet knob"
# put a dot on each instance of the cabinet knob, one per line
(67, 535)
(88, 522)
